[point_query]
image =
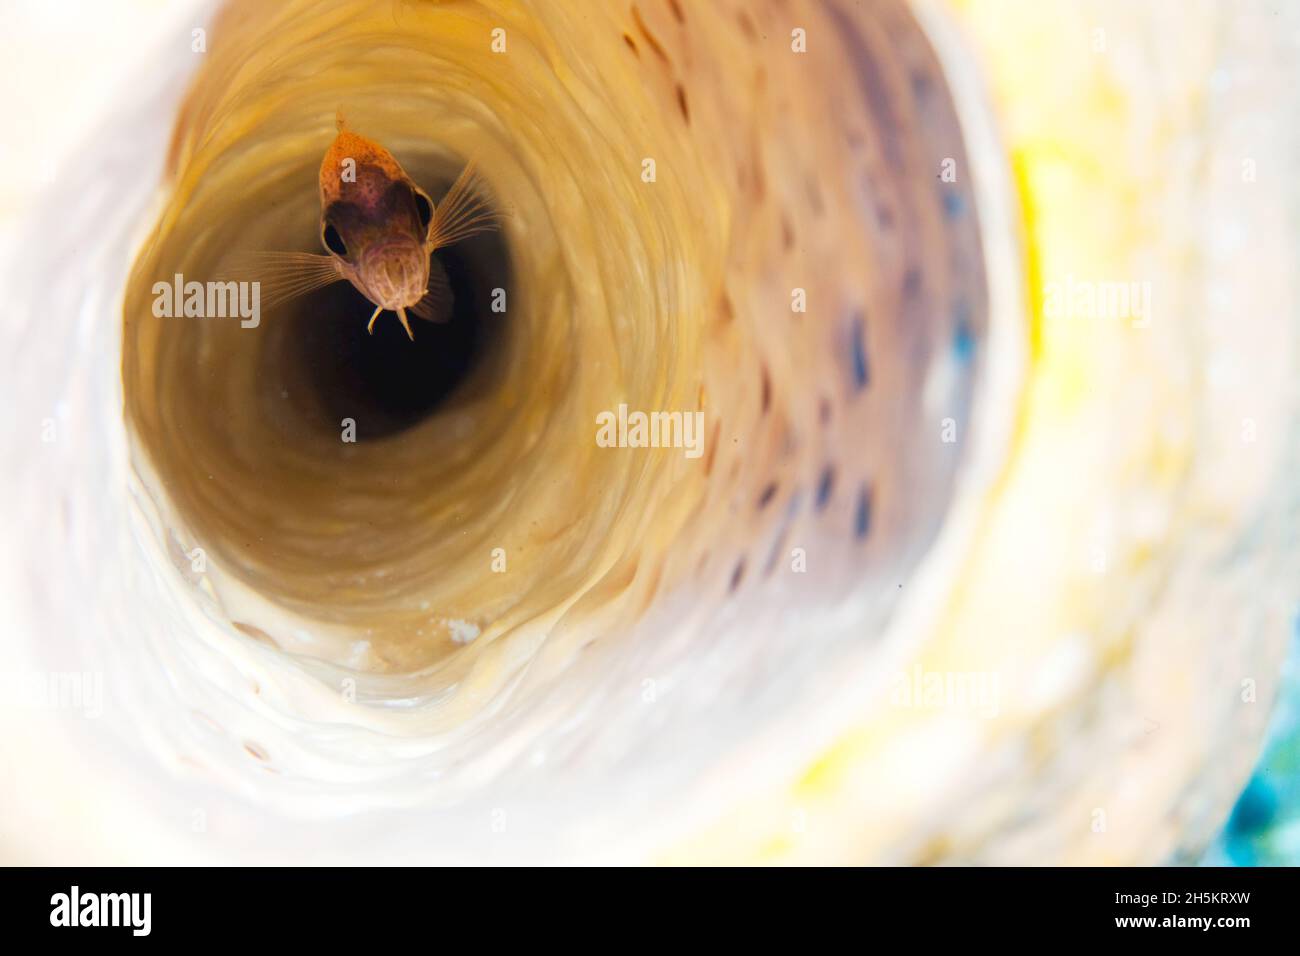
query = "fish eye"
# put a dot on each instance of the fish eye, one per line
(424, 206)
(333, 241)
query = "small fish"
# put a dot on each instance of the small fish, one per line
(380, 229)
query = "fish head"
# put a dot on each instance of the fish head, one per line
(380, 240)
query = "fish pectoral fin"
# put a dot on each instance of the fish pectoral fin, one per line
(283, 276)
(435, 306)
(463, 212)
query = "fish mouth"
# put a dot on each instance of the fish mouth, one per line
(395, 274)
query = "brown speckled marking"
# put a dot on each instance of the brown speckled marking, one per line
(830, 161)
(737, 576)
(711, 451)
(747, 26)
(256, 751)
(726, 311)
(649, 37)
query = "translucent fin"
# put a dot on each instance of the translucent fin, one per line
(436, 304)
(463, 212)
(283, 275)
